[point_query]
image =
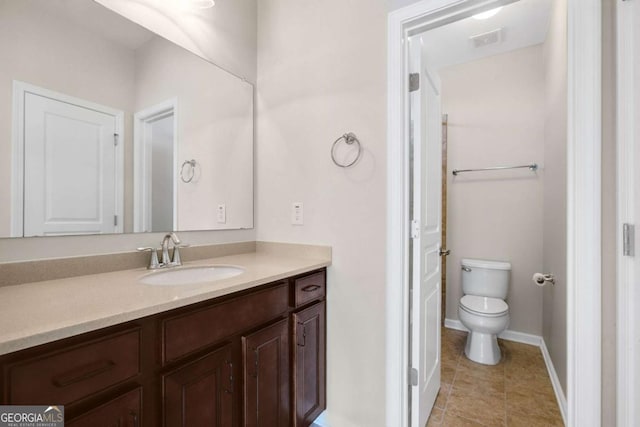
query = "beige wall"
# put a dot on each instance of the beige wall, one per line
(608, 215)
(225, 33)
(555, 190)
(496, 117)
(321, 73)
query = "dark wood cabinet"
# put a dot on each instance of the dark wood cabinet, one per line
(123, 411)
(308, 288)
(63, 376)
(309, 381)
(254, 358)
(201, 393)
(266, 376)
(192, 330)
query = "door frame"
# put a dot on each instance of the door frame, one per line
(142, 163)
(628, 389)
(583, 201)
(20, 89)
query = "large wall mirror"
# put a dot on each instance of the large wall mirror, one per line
(106, 127)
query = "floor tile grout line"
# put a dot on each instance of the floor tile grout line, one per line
(446, 401)
(458, 360)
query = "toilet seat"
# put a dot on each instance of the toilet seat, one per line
(483, 306)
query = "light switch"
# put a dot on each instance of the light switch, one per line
(297, 213)
(222, 214)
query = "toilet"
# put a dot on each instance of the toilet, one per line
(482, 309)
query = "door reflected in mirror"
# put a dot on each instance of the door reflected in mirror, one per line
(109, 128)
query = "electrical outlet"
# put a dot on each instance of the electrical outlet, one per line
(222, 214)
(297, 213)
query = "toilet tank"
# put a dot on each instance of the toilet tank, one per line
(485, 278)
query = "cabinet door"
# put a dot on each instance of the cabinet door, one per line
(123, 411)
(266, 376)
(309, 398)
(201, 393)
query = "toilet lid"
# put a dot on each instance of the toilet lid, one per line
(484, 305)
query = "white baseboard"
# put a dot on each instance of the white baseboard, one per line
(508, 335)
(530, 339)
(455, 324)
(555, 381)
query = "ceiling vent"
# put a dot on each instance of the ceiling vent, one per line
(485, 39)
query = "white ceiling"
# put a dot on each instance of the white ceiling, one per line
(524, 23)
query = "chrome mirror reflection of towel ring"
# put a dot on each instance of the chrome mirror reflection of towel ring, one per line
(350, 139)
(191, 171)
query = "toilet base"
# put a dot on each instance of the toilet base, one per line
(483, 348)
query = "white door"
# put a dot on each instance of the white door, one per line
(426, 139)
(69, 168)
(155, 177)
(634, 286)
(161, 137)
(628, 33)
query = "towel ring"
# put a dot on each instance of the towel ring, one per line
(350, 139)
(192, 171)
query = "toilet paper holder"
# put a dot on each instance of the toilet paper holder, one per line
(542, 279)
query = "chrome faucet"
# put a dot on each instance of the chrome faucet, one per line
(174, 261)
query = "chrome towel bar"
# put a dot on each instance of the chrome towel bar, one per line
(532, 167)
(350, 139)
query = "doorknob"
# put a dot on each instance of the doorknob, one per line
(445, 252)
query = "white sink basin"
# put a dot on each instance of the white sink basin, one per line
(190, 275)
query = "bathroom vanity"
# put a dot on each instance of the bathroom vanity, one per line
(249, 357)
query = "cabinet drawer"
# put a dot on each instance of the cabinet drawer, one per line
(309, 288)
(65, 376)
(195, 330)
(123, 411)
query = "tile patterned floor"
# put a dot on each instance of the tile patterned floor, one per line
(516, 392)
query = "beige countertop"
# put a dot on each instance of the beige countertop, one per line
(36, 313)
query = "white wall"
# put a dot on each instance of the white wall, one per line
(496, 117)
(215, 127)
(225, 33)
(555, 190)
(321, 73)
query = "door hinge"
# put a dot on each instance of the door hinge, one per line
(628, 240)
(415, 229)
(413, 376)
(414, 82)
(116, 139)
(115, 220)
